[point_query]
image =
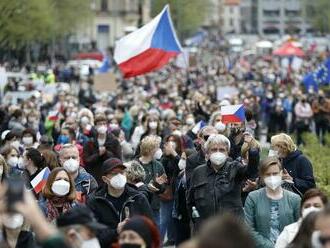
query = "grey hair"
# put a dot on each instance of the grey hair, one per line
(67, 146)
(216, 139)
(213, 117)
(135, 173)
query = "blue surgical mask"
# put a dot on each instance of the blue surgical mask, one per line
(63, 139)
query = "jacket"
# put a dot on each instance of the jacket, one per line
(257, 214)
(193, 161)
(300, 169)
(93, 161)
(107, 214)
(216, 192)
(85, 185)
(25, 239)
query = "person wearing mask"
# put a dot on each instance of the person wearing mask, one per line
(85, 184)
(198, 157)
(29, 139)
(215, 187)
(126, 147)
(303, 112)
(71, 122)
(33, 122)
(115, 201)
(100, 147)
(13, 160)
(313, 200)
(297, 169)
(271, 208)
(139, 232)
(321, 234)
(216, 122)
(236, 138)
(17, 121)
(11, 138)
(79, 227)
(189, 125)
(58, 195)
(150, 154)
(14, 233)
(86, 121)
(152, 127)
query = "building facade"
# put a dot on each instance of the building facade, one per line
(232, 16)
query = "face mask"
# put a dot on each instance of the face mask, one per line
(63, 139)
(272, 153)
(177, 133)
(15, 144)
(218, 158)
(71, 165)
(153, 125)
(20, 163)
(102, 129)
(220, 127)
(114, 126)
(182, 164)
(118, 181)
(13, 221)
(173, 144)
(190, 121)
(84, 120)
(61, 187)
(130, 246)
(91, 243)
(273, 182)
(27, 140)
(309, 210)
(158, 154)
(101, 142)
(12, 161)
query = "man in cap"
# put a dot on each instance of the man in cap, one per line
(115, 201)
(79, 227)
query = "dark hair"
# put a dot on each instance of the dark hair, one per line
(303, 237)
(99, 118)
(218, 233)
(36, 157)
(177, 141)
(30, 131)
(268, 162)
(7, 149)
(71, 131)
(51, 159)
(314, 193)
(47, 190)
(46, 142)
(17, 113)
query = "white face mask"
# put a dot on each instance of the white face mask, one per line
(220, 127)
(114, 126)
(101, 142)
(61, 187)
(13, 221)
(102, 129)
(118, 181)
(71, 165)
(182, 164)
(20, 163)
(272, 153)
(12, 161)
(273, 182)
(218, 158)
(153, 125)
(190, 121)
(158, 154)
(309, 210)
(84, 120)
(91, 243)
(27, 141)
(177, 132)
(15, 144)
(173, 144)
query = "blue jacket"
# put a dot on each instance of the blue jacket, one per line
(85, 183)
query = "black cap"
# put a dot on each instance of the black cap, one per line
(80, 215)
(110, 164)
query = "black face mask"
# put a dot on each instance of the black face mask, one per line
(130, 246)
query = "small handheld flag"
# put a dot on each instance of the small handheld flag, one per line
(233, 114)
(198, 127)
(40, 180)
(148, 48)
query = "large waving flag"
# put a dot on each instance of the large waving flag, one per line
(321, 76)
(40, 180)
(148, 48)
(233, 113)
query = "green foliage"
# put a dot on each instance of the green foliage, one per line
(320, 158)
(187, 15)
(318, 11)
(26, 21)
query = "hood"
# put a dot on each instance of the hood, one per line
(292, 155)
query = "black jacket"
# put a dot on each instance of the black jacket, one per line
(193, 161)
(25, 240)
(300, 169)
(216, 192)
(106, 213)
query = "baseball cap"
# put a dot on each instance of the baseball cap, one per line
(80, 215)
(112, 163)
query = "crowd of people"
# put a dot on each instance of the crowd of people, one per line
(152, 164)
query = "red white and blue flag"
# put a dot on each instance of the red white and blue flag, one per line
(148, 48)
(233, 113)
(40, 180)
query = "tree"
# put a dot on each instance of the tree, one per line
(318, 12)
(187, 15)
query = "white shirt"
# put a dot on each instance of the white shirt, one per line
(288, 234)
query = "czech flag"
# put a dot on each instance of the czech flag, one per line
(198, 127)
(233, 113)
(148, 48)
(40, 180)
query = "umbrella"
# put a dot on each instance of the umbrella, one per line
(289, 49)
(264, 44)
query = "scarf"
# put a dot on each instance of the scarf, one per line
(53, 212)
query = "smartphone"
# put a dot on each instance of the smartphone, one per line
(14, 192)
